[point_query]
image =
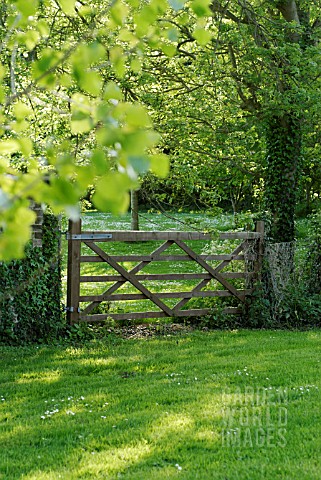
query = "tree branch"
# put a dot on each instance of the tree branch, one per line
(217, 7)
(289, 10)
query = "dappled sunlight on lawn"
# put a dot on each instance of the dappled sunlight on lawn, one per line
(194, 406)
(41, 376)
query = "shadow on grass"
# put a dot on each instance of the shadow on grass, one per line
(202, 406)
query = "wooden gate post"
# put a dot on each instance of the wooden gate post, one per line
(73, 272)
(259, 228)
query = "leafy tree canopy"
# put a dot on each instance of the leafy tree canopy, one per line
(243, 94)
(74, 75)
(64, 121)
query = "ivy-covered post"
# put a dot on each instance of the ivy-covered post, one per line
(30, 288)
(73, 272)
(283, 166)
(253, 257)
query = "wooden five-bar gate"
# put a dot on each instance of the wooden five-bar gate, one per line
(122, 270)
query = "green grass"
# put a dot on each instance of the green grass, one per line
(162, 408)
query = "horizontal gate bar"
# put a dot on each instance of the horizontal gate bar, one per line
(240, 235)
(159, 258)
(160, 276)
(145, 236)
(141, 315)
(144, 276)
(140, 296)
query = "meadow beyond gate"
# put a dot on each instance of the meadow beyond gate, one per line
(134, 279)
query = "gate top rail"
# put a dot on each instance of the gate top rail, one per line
(145, 236)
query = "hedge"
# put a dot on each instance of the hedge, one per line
(30, 291)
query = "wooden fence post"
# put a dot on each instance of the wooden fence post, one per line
(259, 228)
(73, 272)
(134, 210)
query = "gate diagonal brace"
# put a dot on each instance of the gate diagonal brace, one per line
(135, 270)
(203, 283)
(217, 276)
(226, 262)
(129, 277)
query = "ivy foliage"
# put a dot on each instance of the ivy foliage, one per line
(284, 142)
(30, 298)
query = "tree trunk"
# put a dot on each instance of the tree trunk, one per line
(283, 137)
(134, 210)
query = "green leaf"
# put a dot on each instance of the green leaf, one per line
(97, 52)
(43, 27)
(136, 115)
(111, 193)
(81, 122)
(140, 163)
(159, 164)
(86, 10)
(147, 15)
(85, 175)
(65, 80)
(20, 126)
(159, 6)
(107, 136)
(172, 34)
(62, 193)
(9, 146)
(112, 91)
(100, 162)
(47, 59)
(68, 7)
(21, 110)
(136, 143)
(87, 54)
(2, 71)
(169, 50)
(202, 36)
(91, 82)
(27, 8)
(119, 12)
(201, 7)
(136, 65)
(16, 231)
(118, 61)
(81, 103)
(26, 146)
(127, 36)
(31, 39)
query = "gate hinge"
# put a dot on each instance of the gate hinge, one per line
(72, 309)
(89, 236)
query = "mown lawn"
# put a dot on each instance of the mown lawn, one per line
(204, 405)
